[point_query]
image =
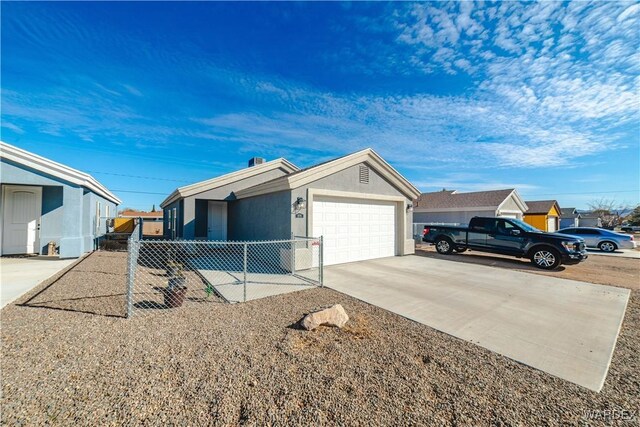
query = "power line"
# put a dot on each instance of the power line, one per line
(140, 192)
(139, 176)
(586, 192)
(529, 195)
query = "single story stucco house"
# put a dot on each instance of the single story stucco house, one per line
(589, 219)
(569, 217)
(43, 201)
(451, 207)
(358, 203)
(543, 215)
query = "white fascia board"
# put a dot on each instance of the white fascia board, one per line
(519, 201)
(298, 180)
(55, 169)
(210, 184)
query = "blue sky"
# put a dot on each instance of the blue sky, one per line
(147, 97)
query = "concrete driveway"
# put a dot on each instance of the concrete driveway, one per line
(563, 327)
(19, 275)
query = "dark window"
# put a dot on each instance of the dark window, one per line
(586, 232)
(504, 228)
(483, 225)
(364, 174)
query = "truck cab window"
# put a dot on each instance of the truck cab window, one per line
(504, 228)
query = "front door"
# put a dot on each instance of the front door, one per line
(217, 221)
(21, 210)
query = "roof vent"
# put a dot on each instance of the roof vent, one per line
(364, 174)
(256, 161)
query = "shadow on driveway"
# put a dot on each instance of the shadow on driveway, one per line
(480, 258)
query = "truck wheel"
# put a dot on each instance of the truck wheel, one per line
(444, 245)
(545, 258)
(460, 249)
(607, 246)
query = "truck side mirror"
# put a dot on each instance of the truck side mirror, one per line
(515, 232)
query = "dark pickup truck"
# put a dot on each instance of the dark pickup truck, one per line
(509, 237)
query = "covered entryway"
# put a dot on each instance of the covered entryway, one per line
(354, 229)
(217, 221)
(21, 210)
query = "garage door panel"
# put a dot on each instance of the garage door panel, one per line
(355, 230)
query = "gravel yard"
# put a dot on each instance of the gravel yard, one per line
(69, 357)
(603, 270)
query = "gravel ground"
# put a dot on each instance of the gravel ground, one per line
(603, 270)
(68, 358)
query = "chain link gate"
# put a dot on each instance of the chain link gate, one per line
(168, 274)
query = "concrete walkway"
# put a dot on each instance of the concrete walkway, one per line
(20, 275)
(563, 327)
(230, 285)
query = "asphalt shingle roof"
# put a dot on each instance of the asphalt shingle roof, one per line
(451, 200)
(539, 206)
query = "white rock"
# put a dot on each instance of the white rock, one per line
(332, 316)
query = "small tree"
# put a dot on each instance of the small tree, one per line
(634, 217)
(153, 209)
(608, 210)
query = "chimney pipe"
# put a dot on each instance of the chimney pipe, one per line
(256, 161)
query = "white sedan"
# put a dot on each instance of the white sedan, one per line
(605, 240)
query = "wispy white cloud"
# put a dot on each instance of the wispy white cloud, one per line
(466, 182)
(548, 84)
(11, 126)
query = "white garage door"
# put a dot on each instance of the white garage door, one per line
(551, 224)
(354, 230)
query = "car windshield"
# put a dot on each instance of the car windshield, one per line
(523, 225)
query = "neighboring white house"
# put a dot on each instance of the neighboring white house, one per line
(451, 207)
(569, 217)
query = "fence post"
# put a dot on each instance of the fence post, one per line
(320, 255)
(130, 276)
(245, 272)
(293, 256)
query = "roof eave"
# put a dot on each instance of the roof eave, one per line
(55, 169)
(229, 178)
(315, 173)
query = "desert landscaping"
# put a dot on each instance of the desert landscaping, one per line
(69, 356)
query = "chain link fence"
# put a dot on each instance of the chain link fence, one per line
(172, 274)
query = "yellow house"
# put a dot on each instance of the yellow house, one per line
(543, 215)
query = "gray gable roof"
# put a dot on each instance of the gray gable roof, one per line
(540, 206)
(209, 184)
(452, 200)
(569, 213)
(312, 173)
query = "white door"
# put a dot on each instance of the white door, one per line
(354, 230)
(217, 221)
(21, 220)
(551, 224)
